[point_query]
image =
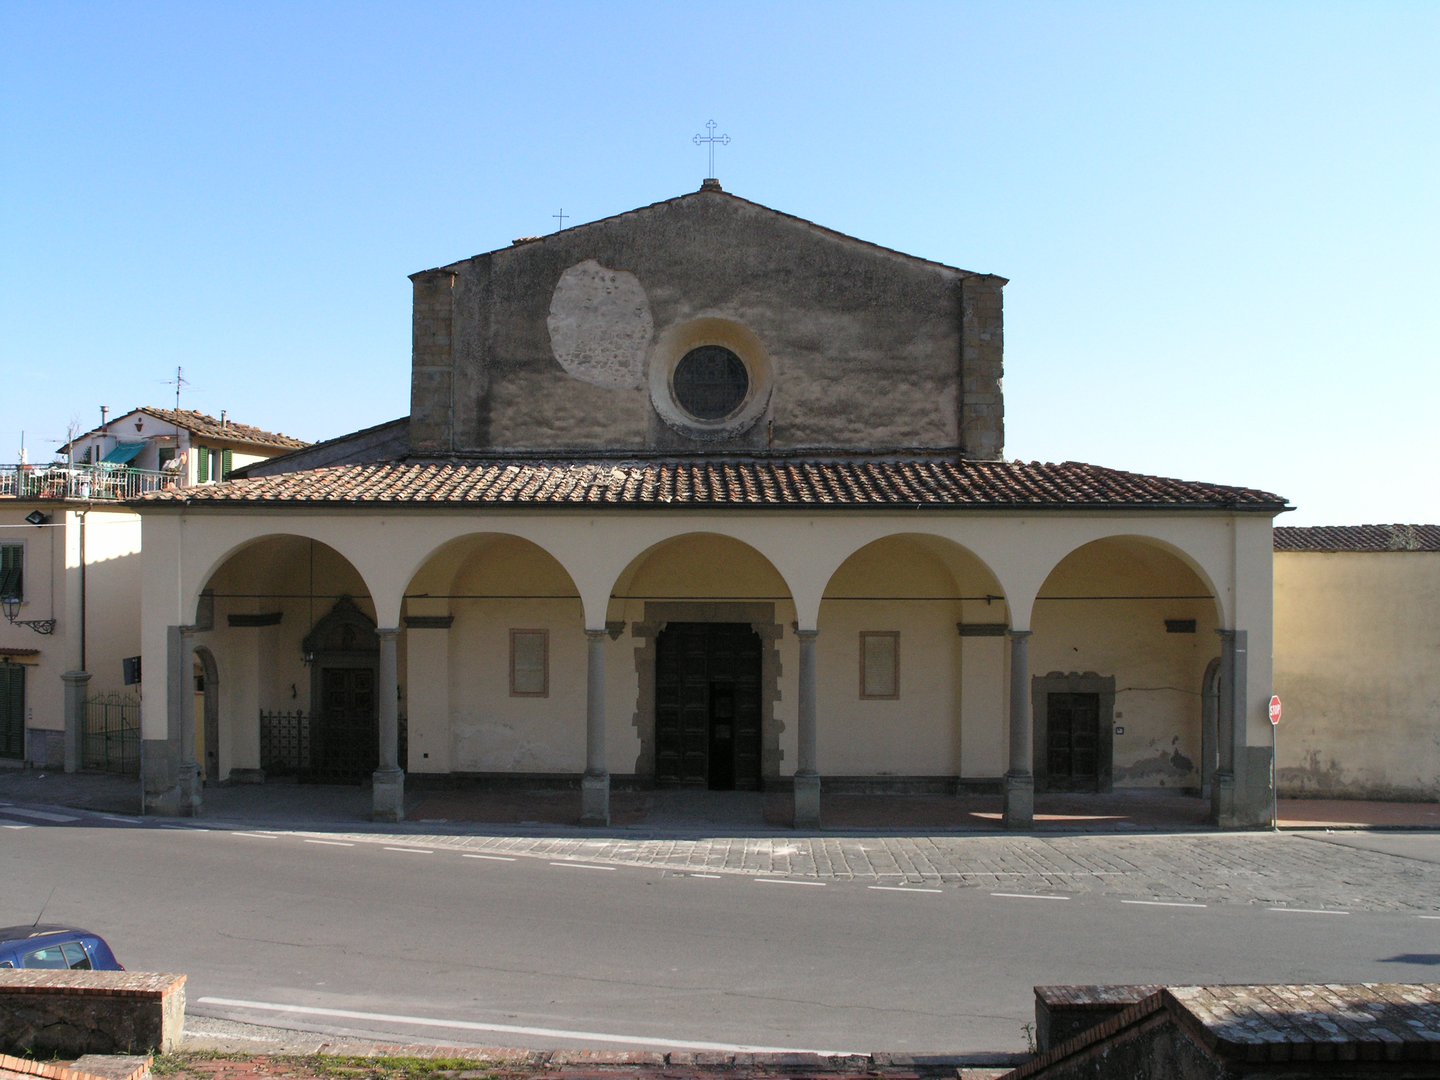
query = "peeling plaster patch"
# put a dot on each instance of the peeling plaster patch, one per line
(600, 326)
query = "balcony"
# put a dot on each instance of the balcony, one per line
(98, 483)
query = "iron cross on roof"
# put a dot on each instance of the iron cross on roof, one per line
(712, 139)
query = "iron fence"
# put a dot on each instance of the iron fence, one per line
(103, 483)
(112, 733)
(305, 746)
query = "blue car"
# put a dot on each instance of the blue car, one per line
(55, 948)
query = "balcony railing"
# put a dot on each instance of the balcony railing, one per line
(105, 483)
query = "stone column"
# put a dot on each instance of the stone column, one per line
(1222, 789)
(807, 775)
(595, 784)
(388, 783)
(1020, 780)
(182, 691)
(76, 684)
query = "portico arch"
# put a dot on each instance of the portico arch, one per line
(725, 605)
(1124, 630)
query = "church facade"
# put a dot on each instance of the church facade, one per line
(706, 495)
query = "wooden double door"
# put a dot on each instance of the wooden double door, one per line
(1072, 742)
(707, 706)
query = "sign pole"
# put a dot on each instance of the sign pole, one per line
(1274, 711)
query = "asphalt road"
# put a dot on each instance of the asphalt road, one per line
(394, 938)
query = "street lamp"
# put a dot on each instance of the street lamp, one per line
(11, 606)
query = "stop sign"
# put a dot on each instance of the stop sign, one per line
(1275, 709)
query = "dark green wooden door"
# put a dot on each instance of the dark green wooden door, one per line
(12, 711)
(1072, 742)
(344, 744)
(707, 706)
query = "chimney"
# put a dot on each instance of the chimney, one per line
(104, 415)
(223, 421)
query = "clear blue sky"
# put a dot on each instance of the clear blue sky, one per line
(1219, 220)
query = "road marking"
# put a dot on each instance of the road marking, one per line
(1307, 911)
(514, 1029)
(1027, 896)
(716, 877)
(259, 835)
(1160, 903)
(412, 850)
(116, 817)
(1429, 916)
(17, 826)
(185, 828)
(492, 858)
(900, 888)
(581, 866)
(346, 843)
(784, 881)
(39, 815)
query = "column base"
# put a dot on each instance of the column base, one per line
(1019, 801)
(807, 801)
(388, 795)
(190, 786)
(595, 799)
(1222, 800)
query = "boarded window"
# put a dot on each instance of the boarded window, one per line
(880, 664)
(529, 663)
(12, 570)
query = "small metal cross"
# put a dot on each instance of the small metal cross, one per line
(712, 139)
(562, 216)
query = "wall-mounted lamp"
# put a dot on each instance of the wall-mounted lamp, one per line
(11, 606)
(35, 517)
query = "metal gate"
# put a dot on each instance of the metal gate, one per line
(288, 747)
(112, 733)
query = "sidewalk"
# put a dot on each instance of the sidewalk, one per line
(685, 813)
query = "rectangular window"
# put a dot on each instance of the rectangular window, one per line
(880, 664)
(12, 570)
(529, 663)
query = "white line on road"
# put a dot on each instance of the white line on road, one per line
(39, 815)
(17, 826)
(784, 881)
(492, 858)
(900, 888)
(513, 1029)
(716, 877)
(412, 850)
(1160, 903)
(1307, 911)
(581, 866)
(259, 835)
(1429, 916)
(116, 817)
(1027, 896)
(347, 843)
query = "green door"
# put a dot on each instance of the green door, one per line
(12, 711)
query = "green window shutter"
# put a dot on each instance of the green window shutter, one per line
(12, 711)
(12, 570)
(227, 462)
(202, 465)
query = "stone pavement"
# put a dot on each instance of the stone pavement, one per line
(1146, 846)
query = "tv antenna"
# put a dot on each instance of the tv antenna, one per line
(178, 382)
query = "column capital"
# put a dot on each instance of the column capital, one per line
(387, 632)
(1020, 634)
(1225, 635)
(596, 635)
(806, 635)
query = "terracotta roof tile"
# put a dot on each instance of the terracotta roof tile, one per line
(1357, 538)
(210, 427)
(843, 482)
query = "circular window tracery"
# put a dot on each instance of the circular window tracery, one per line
(710, 382)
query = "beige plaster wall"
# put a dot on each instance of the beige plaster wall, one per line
(1356, 661)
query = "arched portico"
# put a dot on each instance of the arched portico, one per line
(1124, 628)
